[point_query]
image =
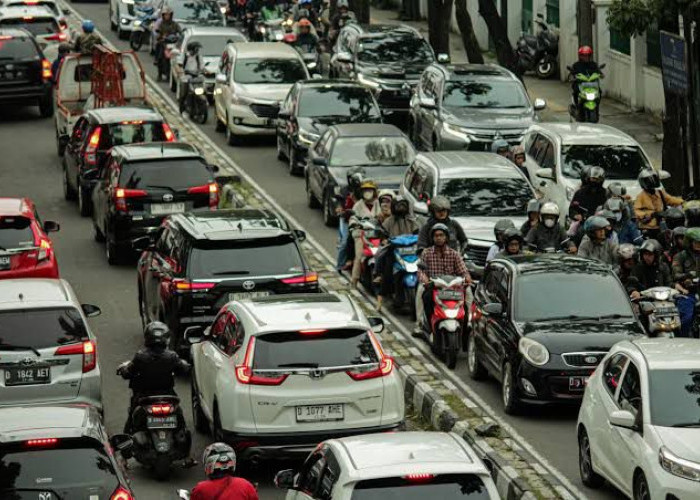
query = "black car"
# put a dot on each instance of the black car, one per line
(311, 107)
(382, 150)
(25, 74)
(60, 451)
(541, 324)
(94, 134)
(202, 261)
(141, 184)
(387, 59)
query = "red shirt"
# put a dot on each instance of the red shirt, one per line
(226, 488)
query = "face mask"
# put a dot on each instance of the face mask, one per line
(618, 216)
(368, 195)
(549, 223)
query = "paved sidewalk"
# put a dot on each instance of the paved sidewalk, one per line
(645, 128)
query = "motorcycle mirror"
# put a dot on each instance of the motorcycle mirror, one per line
(220, 78)
(122, 443)
(664, 175)
(443, 58)
(376, 323)
(214, 168)
(540, 104)
(299, 234)
(540, 16)
(602, 66)
(183, 494)
(90, 310)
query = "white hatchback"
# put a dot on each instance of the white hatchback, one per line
(277, 375)
(639, 424)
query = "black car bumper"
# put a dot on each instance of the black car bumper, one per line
(301, 153)
(126, 228)
(24, 93)
(551, 385)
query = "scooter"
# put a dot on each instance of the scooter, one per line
(447, 318)
(538, 53)
(405, 272)
(142, 27)
(164, 61)
(371, 235)
(658, 312)
(196, 103)
(589, 94)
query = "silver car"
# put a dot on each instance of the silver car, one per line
(48, 352)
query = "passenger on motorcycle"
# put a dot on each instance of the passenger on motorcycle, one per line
(626, 260)
(533, 216)
(502, 225)
(686, 264)
(549, 234)
(517, 153)
(651, 201)
(270, 10)
(306, 41)
(591, 195)
(512, 243)
(627, 231)
(691, 209)
(346, 200)
(385, 198)
(586, 66)
(342, 16)
(595, 244)
(365, 208)
(673, 217)
(221, 484)
(440, 213)
(192, 67)
(501, 147)
(677, 241)
(651, 270)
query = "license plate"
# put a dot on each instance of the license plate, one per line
(167, 208)
(320, 413)
(247, 295)
(408, 250)
(30, 375)
(450, 295)
(4, 262)
(169, 422)
(578, 383)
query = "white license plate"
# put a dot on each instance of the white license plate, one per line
(320, 413)
(167, 208)
(247, 295)
(578, 383)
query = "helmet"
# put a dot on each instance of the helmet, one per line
(156, 334)
(679, 231)
(511, 234)
(440, 227)
(607, 214)
(626, 251)
(651, 246)
(64, 48)
(674, 217)
(596, 175)
(384, 193)
(500, 144)
(614, 205)
(405, 208)
(517, 150)
(193, 46)
(595, 223)
(368, 184)
(584, 173)
(692, 213)
(219, 459)
(440, 203)
(585, 51)
(166, 10)
(304, 23)
(649, 179)
(616, 189)
(533, 205)
(501, 226)
(88, 26)
(302, 2)
(550, 208)
(692, 235)
(342, 4)
(355, 176)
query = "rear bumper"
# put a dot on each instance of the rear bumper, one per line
(46, 269)
(25, 93)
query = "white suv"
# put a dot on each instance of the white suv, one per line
(406, 465)
(639, 424)
(277, 375)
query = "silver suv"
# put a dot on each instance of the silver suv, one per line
(47, 352)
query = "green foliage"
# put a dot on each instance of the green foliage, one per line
(634, 17)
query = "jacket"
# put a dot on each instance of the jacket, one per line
(362, 211)
(651, 276)
(86, 42)
(225, 488)
(396, 226)
(457, 239)
(589, 197)
(646, 205)
(685, 263)
(605, 252)
(543, 237)
(628, 232)
(152, 371)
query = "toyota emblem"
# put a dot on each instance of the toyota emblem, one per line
(248, 285)
(28, 361)
(167, 197)
(591, 360)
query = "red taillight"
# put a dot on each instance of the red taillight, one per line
(45, 69)
(121, 194)
(212, 188)
(5, 37)
(42, 442)
(167, 131)
(310, 277)
(87, 349)
(312, 332)
(182, 285)
(58, 37)
(450, 304)
(165, 409)
(475, 313)
(244, 372)
(386, 363)
(121, 494)
(44, 249)
(91, 148)
(419, 478)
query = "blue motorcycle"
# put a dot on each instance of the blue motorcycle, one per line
(405, 272)
(142, 26)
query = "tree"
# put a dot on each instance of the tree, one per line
(466, 28)
(498, 31)
(439, 19)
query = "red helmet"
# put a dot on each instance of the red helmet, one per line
(290, 38)
(585, 51)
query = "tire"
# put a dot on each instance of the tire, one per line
(46, 106)
(84, 204)
(311, 200)
(451, 349)
(281, 155)
(437, 346)
(121, 34)
(60, 149)
(69, 193)
(291, 165)
(640, 489)
(329, 219)
(411, 298)
(97, 234)
(112, 252)
(231, 138)
(585, 464)
(545, 69)
(201, 112)
(136, 40)
(474, 367)
(199, 420)
(172, 84)
(161, 468)
(509, 393)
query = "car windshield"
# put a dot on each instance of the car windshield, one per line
(395, 49)
(619, 162)
(675, 397)
(17, 48)
(41, 328)
(329, 100)
(214, 45)
(206, 12)
(443, 487)
(132, 132)
(485, 94)
(262, 257)
(548, 295)
(15, 232)
(269, 71)
(371, 151)
(169, 174)
(35, 25)
(487, 197)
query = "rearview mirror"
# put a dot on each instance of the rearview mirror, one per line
(376, 323)
(284, 479)
(183, 494)
(427, 103)
(51, 226)
(321, 162)
(299, 234)
(493, 309)
(195, 334)
(213, 168)
(122, 443)
(91, 310)
(545, 173)
(623, 418)
(142, 244)
(602, 66)
(420, 207)
(443, 58)
(220, 78)
(540, 104)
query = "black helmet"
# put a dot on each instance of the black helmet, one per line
(193, 46)
(692, 213)
(64, 48)
(355, 177)
(501, 226)
(156, 334)
(679, 232)
(399, 202)
(584, 174)
(651, 246)
(440, 227)
(617, 190)
(594, 223)
(511, 234)
(674, 217)
(649, 179)
(440, 203)
(596, 175)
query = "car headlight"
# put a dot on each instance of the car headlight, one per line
(569, 193)
(311, 65)
(365, 80)
(534, 352)
(262, 29)
(128, 2)
(455, 130)
(241, 100)
(678, 466)
(199, 91)
(223, 9)
(307, 138)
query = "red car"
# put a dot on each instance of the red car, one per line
(25, 248)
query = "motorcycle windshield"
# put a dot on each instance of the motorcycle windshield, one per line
(592, 78)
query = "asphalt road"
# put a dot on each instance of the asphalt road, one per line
(30, 167)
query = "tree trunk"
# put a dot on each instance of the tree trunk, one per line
(499, 34)
(439, 18)
(585, 22)
(361, 10)
(466, 28)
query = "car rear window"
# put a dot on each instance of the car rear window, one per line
(352, 102)
(168, 174)
(132, 132)
(41, 328)
(16, 48)
(313, 349)
(36, 26)
(273, 257)
(420, 487)
(16, 232)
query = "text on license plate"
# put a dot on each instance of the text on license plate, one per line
(320, 413)
(5, 262)
(169, 422)
(27, 376)
(167, 208)
(578, 383)
(247, 295)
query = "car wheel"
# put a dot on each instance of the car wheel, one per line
(231, 138)
(60, 148)
(97, 234)
(641, 487)
(83, 202)
(112, 252)
(68, 191)
(46, 106)
(198, 418)
(329, 218)
(474, 366)
(509, 392)
(585, 463)
(292, 166)
(311, 200)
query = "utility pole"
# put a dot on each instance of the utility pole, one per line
(585, 22)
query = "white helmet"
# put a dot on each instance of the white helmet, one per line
(550, 208)
(342, 3)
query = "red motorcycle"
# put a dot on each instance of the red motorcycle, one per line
(447, 319)
(371, 236)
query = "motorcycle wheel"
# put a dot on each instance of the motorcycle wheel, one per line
(438, 345)
(136, 40)
(590, 115)
(545, 69)
(451, 348)
(366, 279)
(411, 298)
(200, 112)
(161, 468)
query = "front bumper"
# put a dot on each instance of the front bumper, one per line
(24, 93)
(245, 122)
(453, 139)
(551, 383)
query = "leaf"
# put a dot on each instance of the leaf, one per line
(631, 17)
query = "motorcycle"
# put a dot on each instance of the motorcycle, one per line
(163, 61)
(658, 312)
(371, 235)
(142, 27)
(447, 318)
(270, 31)
(196, 103)
(405, 272)
(538, 53)
(589, 94)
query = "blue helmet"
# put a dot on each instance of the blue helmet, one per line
(88, 26)
(302, 2)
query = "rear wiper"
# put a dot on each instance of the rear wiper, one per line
(298, 365)
(159, 187)
(11, 347)
(3, 248)
(219, 273)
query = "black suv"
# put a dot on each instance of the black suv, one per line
(25, 74)
(141, 184)
(541, 324)
(94, 134)
(201, 261)
(387, 59)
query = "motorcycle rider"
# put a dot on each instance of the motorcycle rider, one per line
(651, 270)
(627, 231)
(501, 147)
(591, 194)
(686, 264)
(63, 51)
(677, 241)
(306, 41)
(365, 208)
(586, 66)
(548, 233)
(502, 225)
(192, 66)
(385, 199)
(87, 40)
(512, 243)
(440, 213)
(626, 260)
(346, 200)
(533, 216)
(342, 16)
(221, 484)
(595, 244)
(651, 201)
(517, 153)
(673, 217)
(691, 209)
(270, 10)
(164, 27)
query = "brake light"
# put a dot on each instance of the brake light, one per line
(167, 131)
(132, 122)
(58, 37)
(87, 349)
(244, 372)
(31, 2)
(419, 478)
(44, 249)
(310, 277)
(28, 18)
(5, 37)
(212, 188)
(475, 313)
(386, 363)
(161, 409)
(450, 304)
(42, 442)
(121, 494)
(182, 285)
(121, 194)
(312, 332)
(91, 148)
(45, 69)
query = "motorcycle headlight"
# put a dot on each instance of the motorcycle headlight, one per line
(534, 352)
(569, 193)
(199, 91)
(279, 37)
(262, 29)
(678, 466)
(137, 23)
(222, 9)
(591, 96)
(661, 295)
(451, 313)
(307, 138)
(366, 80)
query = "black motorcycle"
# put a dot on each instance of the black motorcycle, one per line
(196, 103)
(164, 53)
(539, 52)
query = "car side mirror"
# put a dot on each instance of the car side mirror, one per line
(444, 58)
(623, 418)
(220, 78)
(91, 310)
(427, 103)
(183, 494)
(196, 335)
(493, 309)
(321, 162)
(420, 207)
(376, 323)
(540, 104)
(344, 57)
(122, 443)
(284, 479)
(51, 226)
(545, 173)
(664, 175)
(63, 140)
(646, 308)
(299, 234)
(213, 168)
(142, 244)
(602, 66)
(316, 76)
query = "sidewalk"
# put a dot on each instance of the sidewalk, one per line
(642, 126)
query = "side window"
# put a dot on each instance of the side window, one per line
(329, 476)
(418, 182)
(223, 62)
(429, 184)
(217, 328)
(79, 130)
(321, 144)
(114, 174)
(408, 178)
(613, 371)
(287, 104)
(535, 146)
(546, 154)
(162, 243)
(233, 336)
(501, 285)
(630, 397)
(310, 475)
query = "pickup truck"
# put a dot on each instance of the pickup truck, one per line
(74, 91)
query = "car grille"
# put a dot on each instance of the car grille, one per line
(265, 110)
(583, 359)
(478, 254)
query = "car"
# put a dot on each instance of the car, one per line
(26, 75)
(482, 188)
(213, 40)
(531, 329)
(189, 13)
(395, 465)
(254, 79)
(204, 260)
(468, 106)
(49, 352)
(557, 152)
(274, 376)
(63, 450)
(141, 184)
(47, 27)
(26, 251)
(638, 425)
(387, 59)
(349, 145)
(311, 107)
(94, 134)
(52, 5)
(122, 14)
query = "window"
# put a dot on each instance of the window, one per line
(444, 487)
(383, 151)
(416, 187)
(164, 243)
(546, 158)
(613, 371)
(229, 340)
(16, 48)
(630, 398)
(355, 103)
(403, 49)
(484, 93)
(15, 232)
(619, 42)
(37, 26)
(176, 174)
(553, 12)
(42, 328)
(673, 397)
(217, 328)
(310, 474)
(487, 197)
(619, 162)
(331, 473)
(653, 46)
(277, 71)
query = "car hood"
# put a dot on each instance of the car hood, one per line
(396, 71)
(319, 124)
(481, 228)
(580, 336)
(211, 63)
(682, 442)
(489, 118)
(265, 92)
(385, 177)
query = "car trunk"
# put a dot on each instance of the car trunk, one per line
(19, 65)
(44, 28)
(19, 247)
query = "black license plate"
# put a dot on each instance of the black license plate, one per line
(450, 295)
(578, 383)
(169, 422)
(4, 262)
(31, 375)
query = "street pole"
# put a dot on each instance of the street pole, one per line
(585, 23)
(688, 28)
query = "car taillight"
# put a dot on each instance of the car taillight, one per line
(5, 37)
(91, 148)
(312, 332)
(419, 478)
(165, 409)
(87, 349)
(44, 249)
(184, 286)
(57, 37)
(121, 494)
(386, 363)
(41, 442)
(167, 131)
(212, 188)
(45, 69)
(121, 194)
(244, 372)
(310, 277)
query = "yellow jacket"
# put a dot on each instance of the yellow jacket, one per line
(645, 205)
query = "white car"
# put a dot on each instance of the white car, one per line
(277, 375)
(406, 465)
(639, 424)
